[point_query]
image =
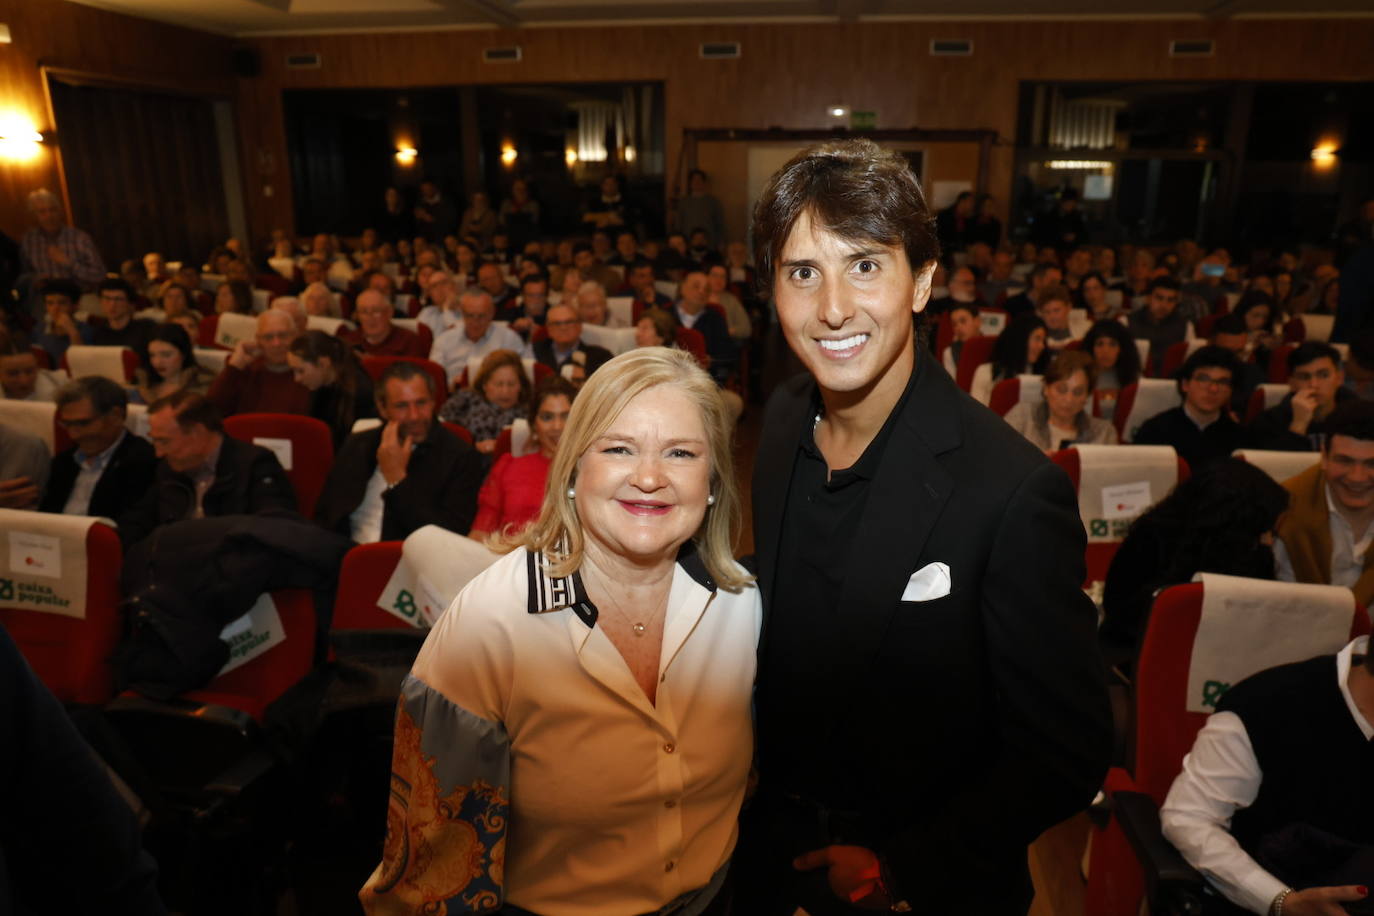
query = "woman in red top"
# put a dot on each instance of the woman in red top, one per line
(513, 492)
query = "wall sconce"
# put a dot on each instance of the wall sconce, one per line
(508, 155)
(629, 154)
(405, 155)
(20, 141)
(1324, 155)
(838, 112)
(570, 157)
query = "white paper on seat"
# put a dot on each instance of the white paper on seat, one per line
(1153, 396)
(667, 288)
(521, 441)
(617, 340)
(991, 323)
(621, 308)
(1273, 394)
(286, 267)
(1125, 475)
(410, 324)
(233, 328)
(1279, 465)
(33, 417)
(1249, 625)
(528, 363)
(363, 424)
(1080, 320)
(44, 561)
(213, 360)
(279, 447)
(435, 566)
(262, 298)
(106, 362)
(253, 634)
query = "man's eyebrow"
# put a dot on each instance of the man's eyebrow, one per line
(853, 255)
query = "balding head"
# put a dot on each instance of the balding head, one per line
(478, 311)
(373, 314)
(293, 307)
(591, 303)
(276, 330)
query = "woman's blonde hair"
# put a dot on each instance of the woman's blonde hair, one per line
(558, 530)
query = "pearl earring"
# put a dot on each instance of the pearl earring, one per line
(572, 494)
(710, 499)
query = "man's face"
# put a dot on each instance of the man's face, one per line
(408, 404)
(369, 260)
(489, 277)
(374, 314)
(477, 315)
(1002, 263)
(153, 264)
(717, 279)
(1208, 389)
(236, 270)
(601, 245)
(313, 271)
(441, 290)
(591, 308)
(642, 281)
(91, 432)
(48, 215)
(275, 333)
(1055, 314)
(962, 286)
(1321, 377)
(1080, 262)
(183, 450)
(382, 284)
(1051, 277)
(1162, 303)
(1348, 464)
(964, 206)
(625, 245)
(18, 375)
(57, 305)
(845, 306)
(535, 298)
(695, 290)
(583, 261)
(564, 326)
(116, 305)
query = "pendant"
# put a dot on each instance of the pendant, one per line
(638, 628)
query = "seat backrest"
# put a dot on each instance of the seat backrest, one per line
(206, 332)
(1142, 400)
(1278, 363)
(118, 364)
(1175, 356)
(68, 647)
(327, 324)
(616, 340)
(374, 366)
(1263, 397)
(1009, 392)
(621, 307)
(975, 352)
(462, 432)
(1080, 322)
(37, 418)
(303, 445)
(694, 342)
(1278, 465)
(1142, 349)
(1317, 327)
(212, 358)
(363, 577)
(1294, 330)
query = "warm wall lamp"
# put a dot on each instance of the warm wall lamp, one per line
(405, 155)
(508, 154)
(20, 141)
(1324, 155)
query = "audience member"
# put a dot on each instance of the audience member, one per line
(20, 377)
(1259, 312)
(318, 299)
(965, 325)
(954, 224)
(626, 250)
(961, 289)
(718, 293)
(52, 250)
(257, 377)
(1116, 359)
(108, 469)
(202, 472)
(699, 209)
(534, 302)
(474, 338)
(1229, 333)
(999, 278)
(376, 334)
(234, 296)
(1019, 350)
(388, 482)
(1053, 304)
(592, 307)
(1093, 295)
(1060, 419)
(607, 208)
(1298, 422)
(120, 328)
(1160, 322)
(495, 399)
(1041, 276)
(23, 468)
(443, 312)
(503, 296)
(692, 312)
(479, 220)
(340, 391)
(564, 345)
(1359, 368)
(174, 300)
(62, 328)
(656, 328)
(519, 214)
(640, 278)
(1201, 429)
(435, 215)
(168, 365)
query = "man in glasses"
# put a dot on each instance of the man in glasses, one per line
(474, 337)
(120, 328)
(564, 346)
(108, 469)
(1201, 428)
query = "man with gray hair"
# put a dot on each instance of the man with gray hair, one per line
(593, 309)
(257, 377)
(108, 469)
(476, 336)
(53, 250)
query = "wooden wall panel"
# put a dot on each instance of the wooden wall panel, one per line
(57, 33)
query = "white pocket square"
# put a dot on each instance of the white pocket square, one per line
(927, 583)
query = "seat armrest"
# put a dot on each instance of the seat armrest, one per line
(1171, 884)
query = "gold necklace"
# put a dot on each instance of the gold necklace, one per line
(637, 627)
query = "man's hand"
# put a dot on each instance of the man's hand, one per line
(245, 351)
(854, 874)
(1304, 408)
(393, 454)
(1322, 901)
(18, 493)
(64, 324)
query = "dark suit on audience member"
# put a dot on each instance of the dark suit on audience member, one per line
(1195, 446)
(1269, 430)
(943, 734)
(594, 357)
(125, 480)
(440, 486)
(248, 479)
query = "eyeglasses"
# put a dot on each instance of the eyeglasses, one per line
(1211, 381)
(564, 323)
(76, 422)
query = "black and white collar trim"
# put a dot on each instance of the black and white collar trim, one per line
(549, 593)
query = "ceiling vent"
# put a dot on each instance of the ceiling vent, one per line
(720, 50)
(508, 55)
(1192, 47)
(951, 47)
(303, 61)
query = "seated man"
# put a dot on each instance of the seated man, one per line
(1262, 792)
(120, 328)
(1041, 276)
(1053, 305)
(109, 468)
(534, 302)
(503, 297)
(1230, 333)
(586, 267)
(692, 313)
(626, 250)
(564, 345)
(592, 307)
(257, 376)
(376, 335)
(203, 473)
(1201, 428)
(442, 313)
(1160, 322)
(20, 377)
(23, 468)
(962, 289)
(62, 329)
(1298, 422)
(1324, 538)
(475, 337)
(640, 279)
(411, 472)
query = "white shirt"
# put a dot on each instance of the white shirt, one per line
(1221, 775)
(45, 387)
(439, 320)
(366, 520)
(90, 470)
(452, 349)
(1347, 554)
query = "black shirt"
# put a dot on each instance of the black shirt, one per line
(1195, 446)
(133, 335)
(820, 522)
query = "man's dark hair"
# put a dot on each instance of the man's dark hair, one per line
(852, 188)
(104, 394)
(540, 277)
(403, 370)
(190, 409)
(1168, 283)
(1042, 268)
(640, 264)
(1353, 418)
(116, 284)
(1310, 351)
(1208, 357)
(57, 286)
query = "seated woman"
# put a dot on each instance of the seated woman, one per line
(234, 296)
(1019, 350)
(174, 301)
(1220, 520)
(656, 328)
(963, 321)
(513, 492)
(1260, 313)
(1092, 295)
(169, 365)
(1059, 419)
(616, 641)
(494, 400)
(1115, 359)
(340, 391)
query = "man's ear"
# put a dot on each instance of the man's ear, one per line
(920, 294)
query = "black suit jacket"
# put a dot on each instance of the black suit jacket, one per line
(962, 727)
(126, 479)
(596, 356)
(440, 486)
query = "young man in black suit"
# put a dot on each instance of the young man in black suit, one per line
(108, 469)
(930, 696)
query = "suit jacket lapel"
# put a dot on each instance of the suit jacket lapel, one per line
(772, 479)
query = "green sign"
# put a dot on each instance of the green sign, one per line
(863, 120)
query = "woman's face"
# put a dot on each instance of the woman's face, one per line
(1094, 293)
(1283, 285)
(549, 422)
(646, 335)
(1258, 319)
(502, 387)
(1106, 351)
(642, 485)
(312, 376)
(224, 299)
(1035, 345)
(1067, 396)
(964, 324)
(188, 324)
(174, 302)
(165, 358)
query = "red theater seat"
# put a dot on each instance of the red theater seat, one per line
(312, 449)
(366, 570)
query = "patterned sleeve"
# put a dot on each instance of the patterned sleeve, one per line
(445, 847)
(88, 267)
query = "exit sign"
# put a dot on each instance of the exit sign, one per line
(863, 120)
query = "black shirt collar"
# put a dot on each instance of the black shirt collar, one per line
(867, 465)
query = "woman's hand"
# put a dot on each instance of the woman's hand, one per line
(485, 446)
(1322, 901)
(854, 874)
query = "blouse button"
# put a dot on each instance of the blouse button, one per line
(669, 747)
(668, 867)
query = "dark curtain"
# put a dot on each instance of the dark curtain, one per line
(143, 171)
